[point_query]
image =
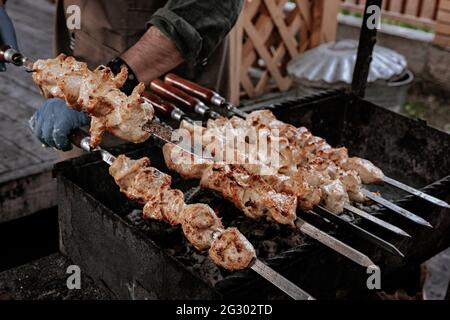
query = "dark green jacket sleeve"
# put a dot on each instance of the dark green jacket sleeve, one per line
(197, 26)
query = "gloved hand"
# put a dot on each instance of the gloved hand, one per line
(7, 33)
(54, 122)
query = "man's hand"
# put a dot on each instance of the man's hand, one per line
(7, 32)
(152, 56)
(54, 122)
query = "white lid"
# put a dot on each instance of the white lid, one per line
(334, 62)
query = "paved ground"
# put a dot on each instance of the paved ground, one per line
(22, 157)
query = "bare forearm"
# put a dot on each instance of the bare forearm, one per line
(152, 56)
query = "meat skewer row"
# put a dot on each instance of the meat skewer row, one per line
(328, 168)
(308, 186)
(228, 248)
(259, 196)
(311, 184)
(249, 192)
(173, 93)
(304, 147)
(98, 94)
(295, 159)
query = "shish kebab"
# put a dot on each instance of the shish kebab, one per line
(10, 55)
(307, 196)
(367, 171)
(228, 248)
(310, 230)
(350, 179)
(97, 92)
(258, 196)
(209, 96)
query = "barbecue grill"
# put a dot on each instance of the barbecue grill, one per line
(104, 233)
(100, 232)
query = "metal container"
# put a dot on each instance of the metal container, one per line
(331, 66)
(137, 259)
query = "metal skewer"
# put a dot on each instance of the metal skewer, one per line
(360, 232)
(215, 99)
(416, 192)
(395, 208)
(81, 140)
(377, 221)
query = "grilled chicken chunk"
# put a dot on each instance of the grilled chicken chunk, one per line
(199, 222)
(166, 206)
(231, 250)
(97, 93)
(185, 164)
(306, 147)
(368, 172)
(250, 193)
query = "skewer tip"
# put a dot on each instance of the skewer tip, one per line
(429, 225)
(406, 235)
(445, 205)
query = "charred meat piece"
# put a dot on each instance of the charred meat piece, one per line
(250, 193)
(231, 250)
(97, 93)
(199, 222)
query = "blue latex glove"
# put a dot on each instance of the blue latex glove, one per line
(54, 122)
(7, 33)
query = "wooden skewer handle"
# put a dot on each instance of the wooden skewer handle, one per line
(190, 87)
(174, 94)
(162, 107)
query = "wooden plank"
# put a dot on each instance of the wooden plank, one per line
(18, 132)
(26, 184)
(329, 21)
(442, 40)
(444, 5)
(264, 54)
(317, 19)
(11, 88)
(443, 29)
(22, 197)
(412, 7)
(278, 19)
(428, 9)
(235, 61)
(13, 157)
(396, 6)
(305, 12)
(443, 17)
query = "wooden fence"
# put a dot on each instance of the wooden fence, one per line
(431, 14)
(269, 34)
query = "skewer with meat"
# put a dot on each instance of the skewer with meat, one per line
(311, 184)
(308, 146)
(228, 248)
(248, 191)
(305, 156)
(97, 93)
